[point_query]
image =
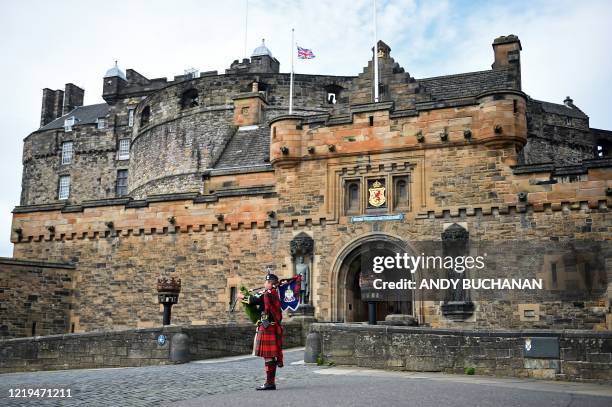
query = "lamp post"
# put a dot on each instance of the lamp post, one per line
(167, 293)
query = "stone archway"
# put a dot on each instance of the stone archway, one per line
(347, 305)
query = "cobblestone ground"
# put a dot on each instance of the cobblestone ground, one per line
(227, 382)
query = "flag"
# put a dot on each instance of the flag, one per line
(289, 293)
(304, 53)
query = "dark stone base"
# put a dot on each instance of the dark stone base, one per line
(303, 310)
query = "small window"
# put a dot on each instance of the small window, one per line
(124, 149)
(66, 152)
(130, 117)
(145, 116)
(190, 98)
(352, 197)
(68, 123)
(553, 272)
(122, 182)
(64, 187)
(603, 149)
(232, 298)
(333, 94)
(400, 193)
(101, 123)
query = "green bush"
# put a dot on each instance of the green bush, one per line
(470, 371)
(321, 361)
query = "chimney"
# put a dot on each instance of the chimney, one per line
(51, 105)
(507, 52)
(73, 97)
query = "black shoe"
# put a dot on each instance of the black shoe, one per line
(266, 387)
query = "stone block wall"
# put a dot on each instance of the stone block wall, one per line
(211, 255)
(130, 348)
(35, 297)
(582, 355)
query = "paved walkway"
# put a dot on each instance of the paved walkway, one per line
(230, 381)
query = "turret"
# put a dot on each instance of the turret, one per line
(114, 81)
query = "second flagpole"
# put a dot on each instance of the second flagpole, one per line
(291, 79)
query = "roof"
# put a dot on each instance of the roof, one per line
(246, 148)
(262, 50)
(82, 114)
(561, 110)
(467, 84)
(115, 71)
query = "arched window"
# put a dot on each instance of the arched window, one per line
(145, 116)
(190, 98)
(400, 193)
(352, 197)
(333, 94)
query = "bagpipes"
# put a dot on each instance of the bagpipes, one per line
(288, 291)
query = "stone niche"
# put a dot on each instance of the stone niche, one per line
(457, 305)
(302, 249)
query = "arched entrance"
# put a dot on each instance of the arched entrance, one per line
(348, 305)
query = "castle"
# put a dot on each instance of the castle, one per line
(207, 178)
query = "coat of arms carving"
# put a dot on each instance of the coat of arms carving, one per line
(377, 193)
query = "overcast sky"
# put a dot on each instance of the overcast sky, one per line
(566, 49)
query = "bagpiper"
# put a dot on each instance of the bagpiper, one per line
(269, 335)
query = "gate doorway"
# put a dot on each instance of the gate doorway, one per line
(350, 307)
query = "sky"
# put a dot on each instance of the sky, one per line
(50, 43)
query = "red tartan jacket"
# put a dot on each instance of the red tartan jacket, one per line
(268, 303)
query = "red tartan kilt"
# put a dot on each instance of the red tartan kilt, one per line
(267, 343)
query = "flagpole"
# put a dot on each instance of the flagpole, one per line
(375, 57)
(291, 80)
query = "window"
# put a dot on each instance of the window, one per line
(232, 298)
(68, 123)
(603, 149)
(190, 98)
(66, 152)
(352, 197)
(333, 93)
(122, 182)
(124, 149)
(553, 272)
(400, 192)
(101, 123)
(130, 117)
(145, 116)
(64, 187)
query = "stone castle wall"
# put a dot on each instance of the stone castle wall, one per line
(35, 297)
(558, 355)
(211, 255)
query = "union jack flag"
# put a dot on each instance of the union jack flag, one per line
(304, 53)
